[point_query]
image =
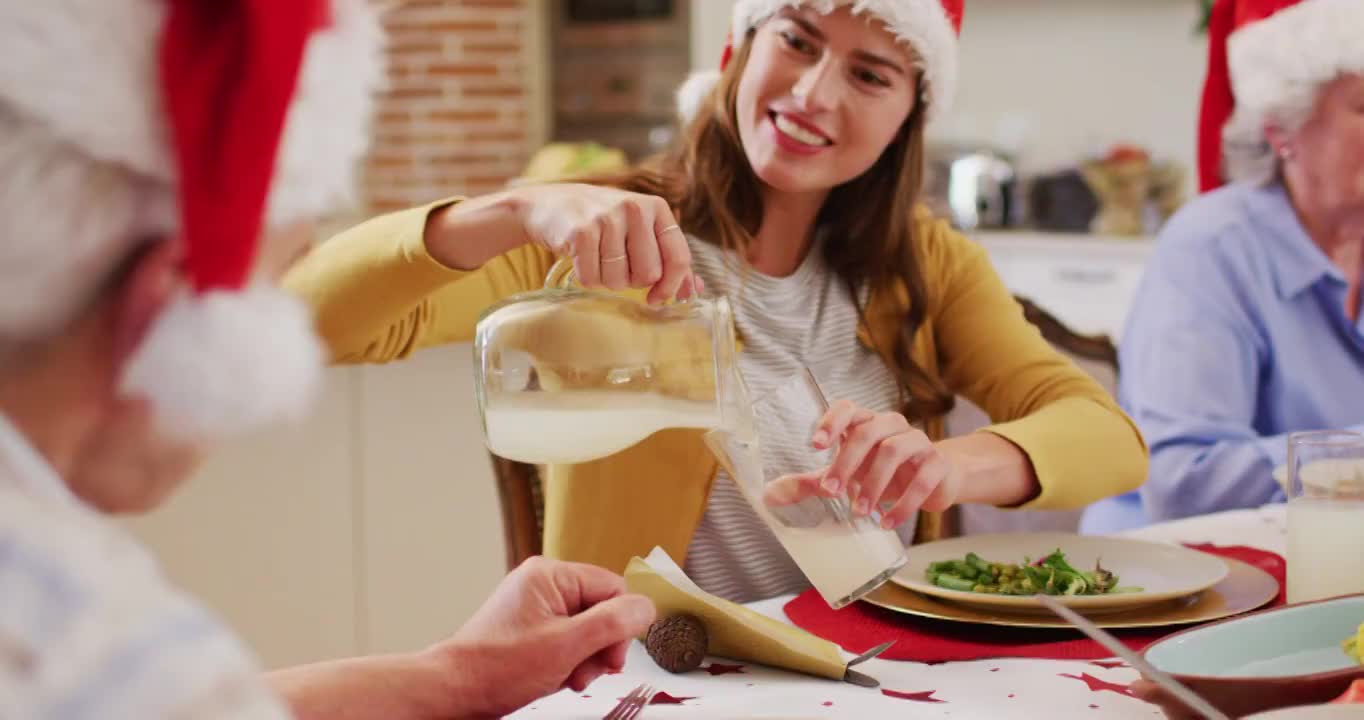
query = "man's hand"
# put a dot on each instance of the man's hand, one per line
(548, 625)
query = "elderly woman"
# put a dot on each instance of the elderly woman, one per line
(1247, 324)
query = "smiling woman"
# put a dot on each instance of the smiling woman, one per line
(821, 99)
(795, 181)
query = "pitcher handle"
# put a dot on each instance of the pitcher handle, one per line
(563, 276)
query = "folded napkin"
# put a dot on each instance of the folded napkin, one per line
(735, 631)
(861, 626)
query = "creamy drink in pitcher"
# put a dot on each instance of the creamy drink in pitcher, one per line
(573, 427)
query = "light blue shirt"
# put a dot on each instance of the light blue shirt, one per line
(1237, 336)
(90, 628)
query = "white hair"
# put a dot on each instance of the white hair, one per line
(51, 192)
(1279, 66)
(1246, 152)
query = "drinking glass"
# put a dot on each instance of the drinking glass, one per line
(1325, 515)
(845, 556)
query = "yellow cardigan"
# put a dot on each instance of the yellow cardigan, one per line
(379, 296)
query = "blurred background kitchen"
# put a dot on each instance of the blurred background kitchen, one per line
(376, 526)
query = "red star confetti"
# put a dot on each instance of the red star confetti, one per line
(1097, 685)
(1011, 696)
(926, 696)
(1093, 706)
(663, 698)
(827, 703)
(994, 669)
(721, 669)
(1108, 664)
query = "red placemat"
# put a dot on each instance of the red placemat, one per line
(860, 627)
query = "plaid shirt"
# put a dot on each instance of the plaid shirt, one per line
(90, 628)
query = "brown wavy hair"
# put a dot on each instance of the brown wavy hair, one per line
(707, 179)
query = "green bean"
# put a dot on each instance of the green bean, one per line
(952, 582)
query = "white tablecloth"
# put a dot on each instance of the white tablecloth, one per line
(1024, 688)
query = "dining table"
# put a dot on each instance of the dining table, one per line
(963, 690)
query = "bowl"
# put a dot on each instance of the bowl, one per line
(1279, 658)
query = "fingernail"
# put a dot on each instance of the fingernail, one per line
(887, 523)
(821, 437)
(863, 506)
(831, 483)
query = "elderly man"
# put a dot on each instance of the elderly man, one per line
(159, 157)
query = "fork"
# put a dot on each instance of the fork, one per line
(633, 704)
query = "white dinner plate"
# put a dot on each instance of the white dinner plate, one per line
(1161, 571)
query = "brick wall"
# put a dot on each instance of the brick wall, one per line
(457, 115)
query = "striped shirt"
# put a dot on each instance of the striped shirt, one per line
(90, 628)
(805, 319)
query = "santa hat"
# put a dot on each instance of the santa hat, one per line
(1261, 51)
(219, 118)
(930, 27)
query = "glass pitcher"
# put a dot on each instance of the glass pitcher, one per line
(566, 375)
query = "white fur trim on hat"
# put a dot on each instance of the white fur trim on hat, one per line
(921, 24)
(1292, 52)
(87, 69)
(328, 127)
(697, 86)
(218, 364)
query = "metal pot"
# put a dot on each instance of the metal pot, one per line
(975, 187)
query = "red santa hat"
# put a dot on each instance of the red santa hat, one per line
(1262, 51)
(930, 27)
(208, 120)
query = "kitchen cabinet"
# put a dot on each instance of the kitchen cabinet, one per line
(265, 534)
(371, 527)
(1086, 281)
